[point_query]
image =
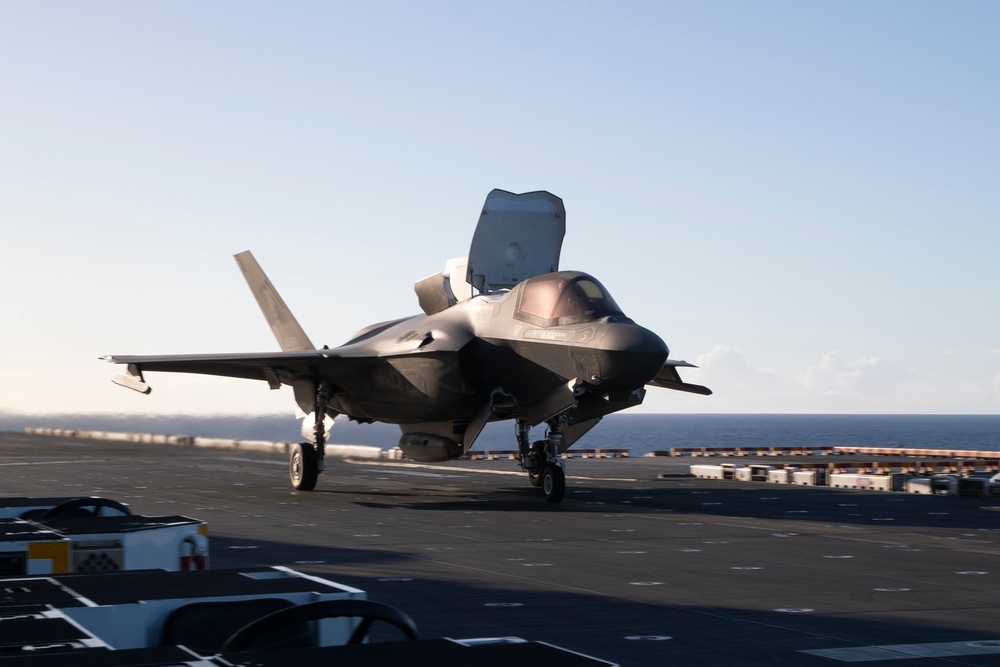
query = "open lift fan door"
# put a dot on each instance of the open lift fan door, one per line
(518, 237)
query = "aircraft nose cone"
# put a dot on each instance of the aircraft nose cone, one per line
(637, 340)
(636, 355)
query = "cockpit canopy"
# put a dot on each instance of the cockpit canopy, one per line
(564, 297)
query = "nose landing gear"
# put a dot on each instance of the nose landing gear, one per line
(541, 459)
(553, 483)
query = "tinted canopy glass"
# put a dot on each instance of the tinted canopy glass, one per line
(565, 297)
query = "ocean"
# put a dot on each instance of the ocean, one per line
(639, 433)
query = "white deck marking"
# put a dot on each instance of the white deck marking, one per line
(909, 651)
(49, 462)
(413, 473)
(463, 470)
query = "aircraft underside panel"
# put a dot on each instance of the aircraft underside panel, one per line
(493, 364)
(420, 387)
(429, 447)
(592, 406)
(575, 431)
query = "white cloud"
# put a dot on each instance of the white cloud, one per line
(738, 385)
(833, 384)
(877, 385)
(724, 358)
(832, 375)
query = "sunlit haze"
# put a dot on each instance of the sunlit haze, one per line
(800, 198)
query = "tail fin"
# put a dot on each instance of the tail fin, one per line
(286, 329)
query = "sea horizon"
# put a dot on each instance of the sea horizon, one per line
(640, 432)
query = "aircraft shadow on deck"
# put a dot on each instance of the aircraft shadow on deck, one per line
(799, 504)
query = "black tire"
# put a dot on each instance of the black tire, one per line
(553, 483)
(537, 457)
(303, 467)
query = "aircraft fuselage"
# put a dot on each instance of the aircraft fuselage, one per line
(505, 335)
(438, 368)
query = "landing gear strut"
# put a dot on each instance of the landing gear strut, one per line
(541, 458)
(307, 458)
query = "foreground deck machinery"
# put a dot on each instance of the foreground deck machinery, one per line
(92, 535)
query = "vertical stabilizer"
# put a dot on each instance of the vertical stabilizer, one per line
(286, 328)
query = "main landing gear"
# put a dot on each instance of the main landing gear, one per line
(540, 459)
(303, 466)
(306, 460)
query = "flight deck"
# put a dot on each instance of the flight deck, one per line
(641, 564)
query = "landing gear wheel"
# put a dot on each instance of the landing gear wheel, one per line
(303, 466)
(553, 483)
(537, 458)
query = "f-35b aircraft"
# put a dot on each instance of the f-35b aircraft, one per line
(504, 335)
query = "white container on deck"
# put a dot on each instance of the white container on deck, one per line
(863, 481)
(809, 477)
(781, 475)
(707, 472)
(841, 480)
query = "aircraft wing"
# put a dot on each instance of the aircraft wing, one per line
(669, 378)
(271, 367)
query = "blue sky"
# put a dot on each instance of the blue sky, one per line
(799, 197)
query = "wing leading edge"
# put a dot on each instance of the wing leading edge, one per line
(275, 368)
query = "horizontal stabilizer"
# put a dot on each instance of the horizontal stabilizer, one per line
(286, 328)
(669, 378)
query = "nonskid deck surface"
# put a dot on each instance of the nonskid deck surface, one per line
(630, 567)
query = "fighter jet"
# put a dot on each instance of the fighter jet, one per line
(504, 335)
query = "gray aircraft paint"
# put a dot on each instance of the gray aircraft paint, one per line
(535, 345)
